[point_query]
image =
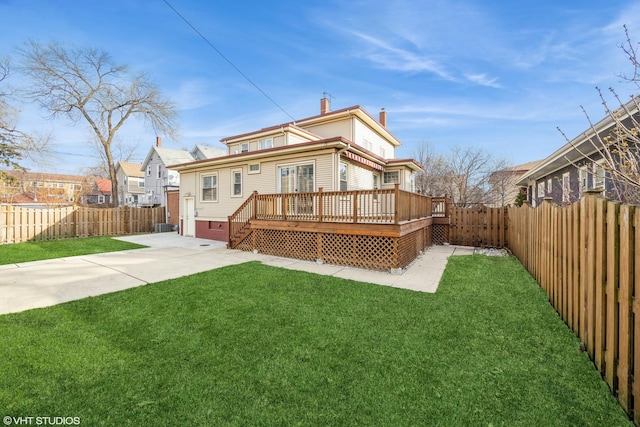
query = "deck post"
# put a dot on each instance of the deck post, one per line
(320, 207)
(254, 214)
(396, 203)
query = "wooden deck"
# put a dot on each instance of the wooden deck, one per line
(372, 229)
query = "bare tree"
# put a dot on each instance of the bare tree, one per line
(85, 84)
(616, 151)
(463, 174)
(15, 145)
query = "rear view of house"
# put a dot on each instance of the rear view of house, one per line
(341, 150)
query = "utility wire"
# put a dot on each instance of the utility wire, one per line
(228, 60)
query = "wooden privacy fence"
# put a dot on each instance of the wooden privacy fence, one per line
(479, 226)
(19, 224)
(587, 259)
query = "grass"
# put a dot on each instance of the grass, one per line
(49, 249)
(257, 345)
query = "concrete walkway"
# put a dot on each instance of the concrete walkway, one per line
(44, 283)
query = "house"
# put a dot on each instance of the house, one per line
(130, 179)
(158, 179)
(503, 184)
(341, 150)
(582, 164)
(43, 189)
(99, 195)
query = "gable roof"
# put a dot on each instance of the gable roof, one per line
(586, 143)
(131, 169)
(207, 152)
(330, 116)
(169, 156)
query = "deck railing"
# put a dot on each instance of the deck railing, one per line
(385, 206)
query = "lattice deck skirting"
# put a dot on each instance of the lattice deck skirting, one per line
(371, 252)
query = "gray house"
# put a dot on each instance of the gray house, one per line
(581, 165)
(158, 179)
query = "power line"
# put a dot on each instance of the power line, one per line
(228, 60)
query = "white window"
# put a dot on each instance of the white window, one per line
(254, 168)
(582, 179)
(148, 170)
(100, 199)
(566, 188)
(140, 183)
(265, 143)
(541, 189)
(60, 185)
(236, 180)
(391, 177)
(382, 152)
(158, 171)
(376, 181)
(549, 181)
(210, 188)
(367, 144)
(244, 147)
(344, 184)
(598, 176)
(125, 179)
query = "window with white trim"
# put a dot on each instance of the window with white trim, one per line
(541, 193)
(236, 182)
(265, 143)
(344, 184)
(244, 147)
(582, 179)
(566, 188)
(598, 175)
(148, 170)
(549, 181)
(210, 188)
(391, 177)
(254, 168)
(158, 171)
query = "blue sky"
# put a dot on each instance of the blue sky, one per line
(484, 73)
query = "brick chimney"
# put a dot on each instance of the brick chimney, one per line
(324, 106)
(158, 141)
(383, 118)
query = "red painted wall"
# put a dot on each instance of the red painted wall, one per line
(214, 230)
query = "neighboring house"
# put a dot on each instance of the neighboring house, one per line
(43, 189)
(576, 167)
(339, 150)
(158, 179)
(100, 193)
(130, 179)
(503, 184)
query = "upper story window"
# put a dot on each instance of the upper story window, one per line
(265, 143)
(148, 170)
(140, 182)
(210, 188)
(158, 171)
(391, 177)
(383, 153)
(244, 147)
(124, 179)
(367, 144)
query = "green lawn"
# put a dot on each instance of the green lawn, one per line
(49, 249)
(260, 346)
